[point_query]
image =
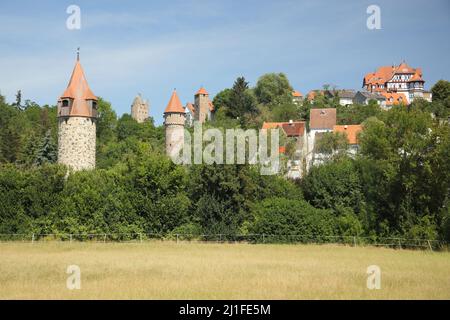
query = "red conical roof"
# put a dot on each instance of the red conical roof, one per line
(202, 91)
(78, 90)
(174, 104)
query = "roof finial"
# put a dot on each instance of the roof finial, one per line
(78, 54)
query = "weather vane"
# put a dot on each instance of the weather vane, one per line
(78, 53)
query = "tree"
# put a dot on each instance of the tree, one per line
(441, 90)
(10, 144)
(405, 167)
(18, 103)
(286, 112)
(285, 217)
(273, 89)
(333, 143)
(441, 99)
(241, 100)
(127, 127)
(222, 99)
(231, 189)
(356, 113)
(336, 185)
(47, 152)
(106, 121)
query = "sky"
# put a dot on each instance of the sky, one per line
(152, 47)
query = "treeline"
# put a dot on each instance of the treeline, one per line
(398, 184)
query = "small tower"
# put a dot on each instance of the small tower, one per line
(174, 121)
(202, 106)
(77, 114)
(139, 109)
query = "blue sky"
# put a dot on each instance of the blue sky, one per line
(151, 47)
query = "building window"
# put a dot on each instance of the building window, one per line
(65, 103)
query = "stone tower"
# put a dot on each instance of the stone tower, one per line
(139, 109)
(174, 121)
(202, 105)
(77, 114)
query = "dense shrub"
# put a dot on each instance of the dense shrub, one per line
(280, 216)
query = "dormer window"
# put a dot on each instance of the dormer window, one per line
(65, 103)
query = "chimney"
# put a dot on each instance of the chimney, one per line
(291, 122)
(345, 127)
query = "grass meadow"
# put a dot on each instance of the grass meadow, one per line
(167, 270)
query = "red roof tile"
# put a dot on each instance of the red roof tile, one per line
(202, 91)
(324, 118)
(291, 129)
(351, 130)
(174, 104)
(78, 90)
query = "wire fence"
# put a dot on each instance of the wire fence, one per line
(392, 242)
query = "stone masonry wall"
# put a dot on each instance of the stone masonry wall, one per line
(139, 112)
(76, 142)
(174, 133)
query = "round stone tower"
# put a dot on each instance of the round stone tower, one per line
(174, 121)
(77, 114)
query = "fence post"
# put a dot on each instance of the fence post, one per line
(32, 239)
(140, 237)
(400, 243)
(220, 237)
(354, 241)
(104, 238)
(70, 238)
(264, 238)
(429, 245)
(177, 238)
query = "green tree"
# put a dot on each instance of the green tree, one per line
(405, 167)
(222, 99)
(280, 216)
(232, 190)
(333, 144)
(336, 185)
(274, 89)
(242, 101)
(47, 152)
(441, 90)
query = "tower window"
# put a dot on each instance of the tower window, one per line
(65, 103)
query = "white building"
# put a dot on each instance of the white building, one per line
(397, 79)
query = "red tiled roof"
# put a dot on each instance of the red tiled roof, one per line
(174, 104)
(351, 130)
(394, 98)
(291, 129)
(190, 107)
(385, 73)
(324, 118)
(296, 93)
(202, 91)
(417, 76)
(311, 95)
(78, 90)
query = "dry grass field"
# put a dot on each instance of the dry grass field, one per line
(157, 270)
